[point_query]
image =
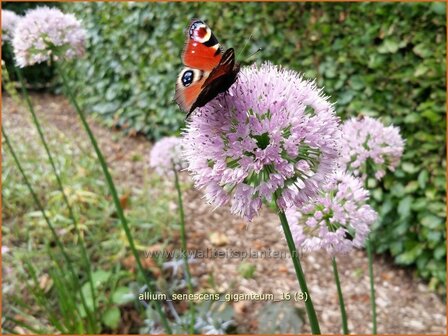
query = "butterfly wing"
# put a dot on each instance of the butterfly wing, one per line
(225, 67)
(202, 53)
(208, 70)
(188, 87)
(202, 49)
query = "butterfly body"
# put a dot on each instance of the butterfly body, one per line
(208, 70)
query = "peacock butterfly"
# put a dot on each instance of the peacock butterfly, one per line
(208, 70)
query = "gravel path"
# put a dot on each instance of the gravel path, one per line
(405, 304)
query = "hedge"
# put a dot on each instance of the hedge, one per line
(385, 60)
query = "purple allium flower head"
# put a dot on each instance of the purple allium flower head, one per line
(44, 32)
(271, 132)
(9, 23)
(166, 153)
(336, 220)
(369, 147)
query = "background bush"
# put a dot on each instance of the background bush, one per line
(385, 60)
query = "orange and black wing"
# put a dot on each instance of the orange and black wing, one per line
(208, 71)
(202, 49)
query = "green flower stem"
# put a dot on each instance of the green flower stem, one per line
(183, 238)
(369, 248)
(115, 197)
(340, 297)
(92, 328)
(312, 317)
(372, 285)
(61, 188)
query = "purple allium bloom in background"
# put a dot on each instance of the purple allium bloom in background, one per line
(166, 152)
(44, 32)
(369, 147)
(336, 220)
(9, 23)
(272, 132)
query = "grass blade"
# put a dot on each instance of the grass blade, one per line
(372, 285)
(183, 238)
(340, 297)
(60, 185)
(50, 225)
(114, 195)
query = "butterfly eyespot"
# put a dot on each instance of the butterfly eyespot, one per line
(200, 32)
(208, 70)
(187, 78)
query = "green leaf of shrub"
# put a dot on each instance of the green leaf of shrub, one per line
(111, 318)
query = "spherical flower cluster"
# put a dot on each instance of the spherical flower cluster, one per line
(272, 134)
(369, 148)
(9, 22)
(45, 32)
(166, 155)
(336, 220)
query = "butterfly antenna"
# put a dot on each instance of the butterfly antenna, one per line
(258, 50)
(245, 45)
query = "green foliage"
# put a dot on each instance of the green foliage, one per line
(247, 270)
(280, 318)
(385, 60)
(25, 229)
(82, 179)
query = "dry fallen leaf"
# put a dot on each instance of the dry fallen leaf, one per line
(148, 263)
(241, 226)
(360, 297)
(387, 276)
(259, 245)
(45, 282)
(159, 247)
(124, 199)
(240, 307)
(219, 239)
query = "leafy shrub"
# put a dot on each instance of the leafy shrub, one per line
(385, 60)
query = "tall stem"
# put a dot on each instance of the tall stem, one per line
(61, 188)
(369, 249)
(183, 237)
(53, 232)
(372, 285)
(114, 194)
(340, 297)
(312, 317)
